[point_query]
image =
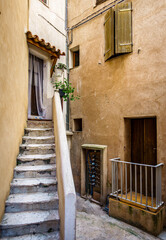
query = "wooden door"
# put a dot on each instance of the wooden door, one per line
(143, 150)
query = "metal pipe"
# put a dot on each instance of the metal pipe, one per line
(126, 178)
(141, 184)
(67, 61)
(146, 186)
(152, 186)
(130, 182)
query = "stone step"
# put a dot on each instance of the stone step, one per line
(43, 236)
(38, 140)
(35, 171)
(39, 123)
(30, 185)
(31, 202)
(22, 223)
(36, 159)
(29, 149)
(39, 132)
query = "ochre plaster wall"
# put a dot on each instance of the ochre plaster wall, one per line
(13, 88)
(130, 85)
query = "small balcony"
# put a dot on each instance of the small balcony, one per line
(136, 195)
(137, 184)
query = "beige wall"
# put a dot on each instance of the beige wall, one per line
(13, 88)
(132, 85)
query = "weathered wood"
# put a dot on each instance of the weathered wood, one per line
(52, 67)
(123, 28)
(109, 34)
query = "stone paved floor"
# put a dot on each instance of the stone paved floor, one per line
(94, 224)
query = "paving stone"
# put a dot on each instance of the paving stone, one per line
(36, 159)
(38, 140)
(29, 149)
(44, 236)
(99, 226)
(31, 202)
(38, 132)
(35, 171)
(21, 223)
(29, 185)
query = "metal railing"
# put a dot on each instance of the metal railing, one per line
(137, 183)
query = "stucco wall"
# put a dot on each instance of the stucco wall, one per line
(130, 85)
(45, 21)
(13, 88)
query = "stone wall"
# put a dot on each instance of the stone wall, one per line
(127, 86)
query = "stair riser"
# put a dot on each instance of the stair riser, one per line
(31, 189)
(37, 151)
(39, 124)
(19, 207)
(44, 227)
(30, 174)
(38, 141)
(37, 133)
(36, 162)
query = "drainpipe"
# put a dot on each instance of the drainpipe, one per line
(67, 60)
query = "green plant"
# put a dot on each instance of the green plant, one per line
(67, 89)
(60, 66)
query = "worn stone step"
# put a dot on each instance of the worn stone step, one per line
(30, 185)
(39, 123)
(35, 171)
(22, 223)
(36, 159)
(39, 132)
(29, 149)
(38, 140)
(31, 202)
(41, 236)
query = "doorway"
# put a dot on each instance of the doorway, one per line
(35, 91)
(144, 150)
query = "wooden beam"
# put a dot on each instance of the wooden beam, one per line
(55, 55)
(52, 68)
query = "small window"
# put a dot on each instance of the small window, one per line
(77, 125)
(76, 58)
(118, 30)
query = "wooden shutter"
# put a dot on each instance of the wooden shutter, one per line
(109, 34)
(123, 28)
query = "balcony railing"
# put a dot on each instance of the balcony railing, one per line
(138, 184)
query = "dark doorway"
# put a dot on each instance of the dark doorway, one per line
(143, 150)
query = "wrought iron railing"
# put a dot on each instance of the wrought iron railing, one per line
(137, 183)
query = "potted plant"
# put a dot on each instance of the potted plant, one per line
(60, 83)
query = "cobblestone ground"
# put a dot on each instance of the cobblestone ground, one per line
(94, 224)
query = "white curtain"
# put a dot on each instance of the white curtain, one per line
(36, 73)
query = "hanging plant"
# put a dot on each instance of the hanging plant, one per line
(65, 89)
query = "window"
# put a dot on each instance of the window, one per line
(77, 125)
(76, 61)
(118, 30)
(100, 1)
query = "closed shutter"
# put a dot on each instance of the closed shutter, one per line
(109, 34)
(123, 28)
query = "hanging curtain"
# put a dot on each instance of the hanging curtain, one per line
(36, 78)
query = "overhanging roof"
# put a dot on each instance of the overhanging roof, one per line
(47, 47)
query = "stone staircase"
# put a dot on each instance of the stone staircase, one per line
(31, 211)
